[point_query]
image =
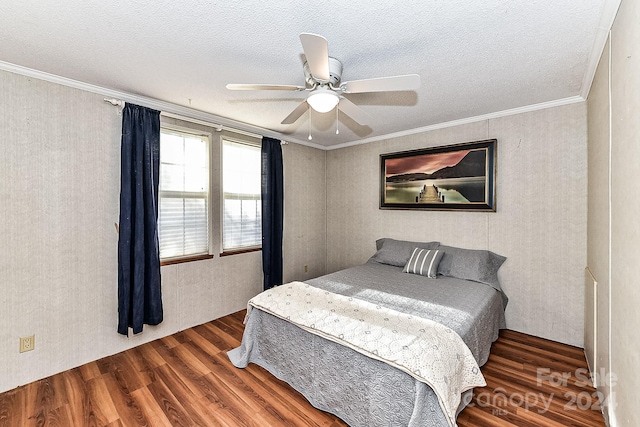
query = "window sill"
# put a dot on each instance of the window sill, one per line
(240, 251)
(170, 261)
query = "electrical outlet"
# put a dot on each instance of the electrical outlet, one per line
(27, 343)
(306, 268)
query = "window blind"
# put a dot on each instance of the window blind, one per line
(183, 222)
(242, 208)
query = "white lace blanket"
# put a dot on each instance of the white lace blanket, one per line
(426, 350)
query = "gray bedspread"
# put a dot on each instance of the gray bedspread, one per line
(362, 391)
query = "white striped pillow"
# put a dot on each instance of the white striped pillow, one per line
(424, 262)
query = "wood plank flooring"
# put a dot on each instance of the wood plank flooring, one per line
(187, 380)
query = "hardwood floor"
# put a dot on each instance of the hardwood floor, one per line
(187, 380)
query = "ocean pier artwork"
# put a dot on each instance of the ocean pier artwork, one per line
(434, 194)
(430, 194)
(460, 176)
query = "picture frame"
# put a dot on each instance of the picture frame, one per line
(459, 177)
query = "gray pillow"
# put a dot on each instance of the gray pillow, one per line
(423, 262)
(397, 252)
(470, 264)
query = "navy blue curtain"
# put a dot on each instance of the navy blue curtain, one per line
(272, 207)
(139, 296)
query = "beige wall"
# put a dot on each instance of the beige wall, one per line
(598, 244)
(305, 209)
(60, 171)
(614, 229)
(540, 223)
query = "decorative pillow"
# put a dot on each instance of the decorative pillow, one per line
(424, 262)
(397, 252)
(469, 264)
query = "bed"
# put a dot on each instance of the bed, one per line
(363, 390)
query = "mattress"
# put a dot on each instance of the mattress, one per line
(360, 390)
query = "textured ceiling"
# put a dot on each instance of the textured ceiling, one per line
(474, 57)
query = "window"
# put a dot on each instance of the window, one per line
(241, 187)
(183, 222)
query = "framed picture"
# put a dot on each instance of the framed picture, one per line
(452, 177)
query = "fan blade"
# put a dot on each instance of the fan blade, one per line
(353, 111)
(316, 50)
(264, 87)
(382, 84)
(295, 114)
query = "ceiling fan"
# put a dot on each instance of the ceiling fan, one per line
(322, 81)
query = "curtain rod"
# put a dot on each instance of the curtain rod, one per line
(218, 127)
(115, 102)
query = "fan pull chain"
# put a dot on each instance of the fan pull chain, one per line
(337, 122)
(310, 137)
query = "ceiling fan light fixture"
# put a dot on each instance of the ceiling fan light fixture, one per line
(323, 81)
(323, 100)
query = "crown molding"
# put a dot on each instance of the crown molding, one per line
(213, 120)
(497, 114)
(180, 111)
(607, 17)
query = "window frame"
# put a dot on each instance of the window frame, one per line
(239, 250)
(171, 128)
